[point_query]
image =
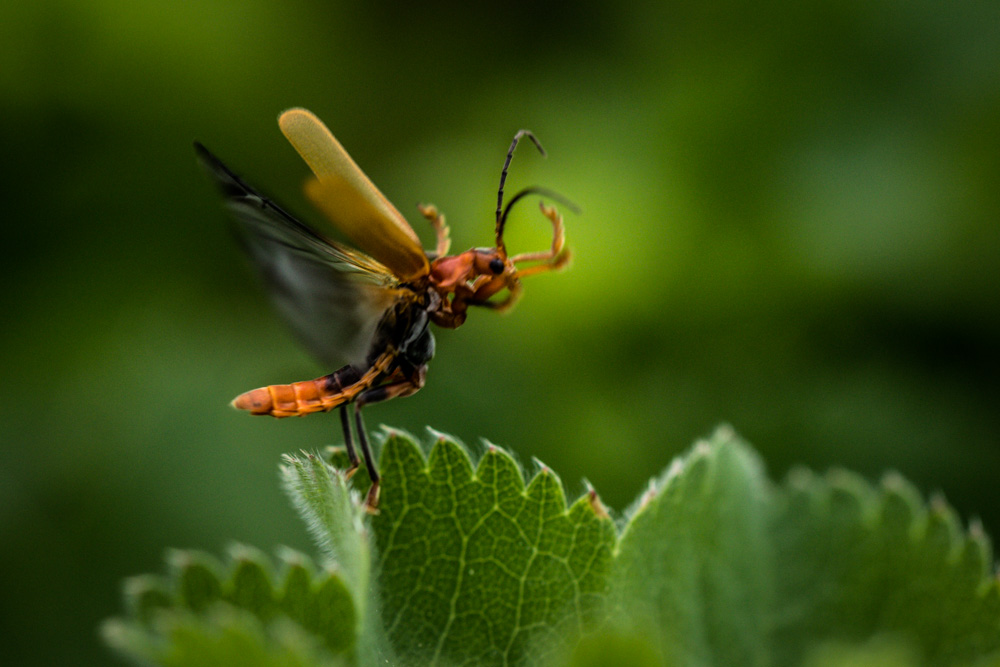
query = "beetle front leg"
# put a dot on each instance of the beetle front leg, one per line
(441, 229)
(556, 256)
(513, 295)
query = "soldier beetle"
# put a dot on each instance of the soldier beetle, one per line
(367, 311)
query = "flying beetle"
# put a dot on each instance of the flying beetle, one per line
(366, 311)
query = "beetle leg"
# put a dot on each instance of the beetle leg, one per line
(513, 294)
(384, 392)
(371, 500)
(557, 262)
(352, 454)
(441, 228)
(553, 258)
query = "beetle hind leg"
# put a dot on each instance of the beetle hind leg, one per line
(371, 500)
(409, 385)
(352, 453)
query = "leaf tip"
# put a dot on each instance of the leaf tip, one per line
(293, 558)
(182, 559)
(390, 431)
(895, 483)
(800, 478)
(596, 505)
(701, 448)
(438, 436)
(540, 466)
(938, 504)
(724, 433)
(244, 553)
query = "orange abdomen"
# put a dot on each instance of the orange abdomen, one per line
(303, 398)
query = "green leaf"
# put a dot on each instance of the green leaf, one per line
(223, 636)
(336, 518)
(719, 566)
(475, 567)
(879, 651)
(199, 578)
(621, 649)
(333, 516)
(693, 569)
(206, 612)
(322, 605)
(715, 565)
(249, 586)
(145, 595)
(859, 561)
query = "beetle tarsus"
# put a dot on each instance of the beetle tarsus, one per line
(371, 500)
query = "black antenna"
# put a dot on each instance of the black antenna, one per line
(506, 164)
(534, 190)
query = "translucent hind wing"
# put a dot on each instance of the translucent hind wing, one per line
(350, 200)
(332, 297)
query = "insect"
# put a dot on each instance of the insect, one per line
(367, 311)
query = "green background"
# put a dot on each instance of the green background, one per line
(791, 223)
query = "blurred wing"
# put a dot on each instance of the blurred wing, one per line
(352, 202)
(332, 297)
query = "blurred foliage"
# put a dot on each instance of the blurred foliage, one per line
(790, 223)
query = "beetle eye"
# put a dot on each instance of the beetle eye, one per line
(496, 265)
